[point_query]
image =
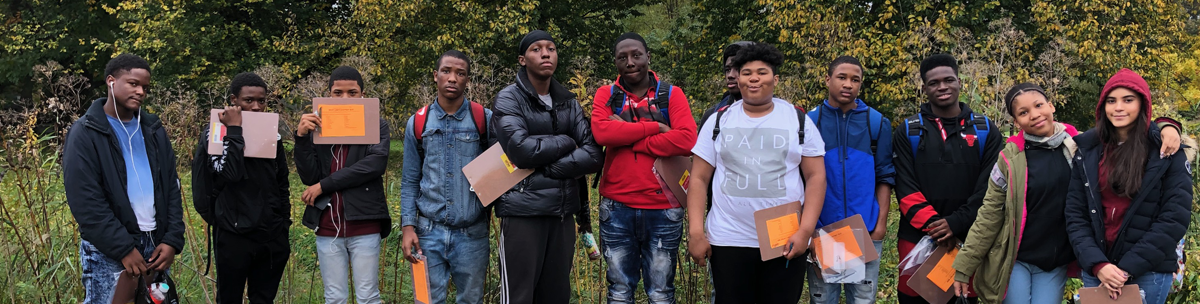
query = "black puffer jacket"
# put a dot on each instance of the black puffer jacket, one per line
(554, 141)
(1157, 218)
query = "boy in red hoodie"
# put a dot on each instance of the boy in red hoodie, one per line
(639, 119)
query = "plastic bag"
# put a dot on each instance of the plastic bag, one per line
(833, 262)
(160, 290)
(918, 255)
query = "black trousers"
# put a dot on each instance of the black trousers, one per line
(535, 259)
(251, 262)
(741, 276)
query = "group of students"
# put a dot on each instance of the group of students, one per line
(751, 151)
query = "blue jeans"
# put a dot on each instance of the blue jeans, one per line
(338, 255)
(826, 293)
(1155, 286)
(100, 272)
(640, 243)
(1029, 284)
(458, 253)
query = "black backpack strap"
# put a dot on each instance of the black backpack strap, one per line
(662, 101)
(801, 117)
(717, 123)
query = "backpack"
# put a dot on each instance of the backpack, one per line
(616, 102)
(916, 128)
(874, 118)
(662, 100)
(421, 118)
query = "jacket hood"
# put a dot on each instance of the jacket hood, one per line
(558, 93)
(1126, 78)
(654, 81)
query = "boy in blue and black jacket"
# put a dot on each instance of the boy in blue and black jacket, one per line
(858, 148)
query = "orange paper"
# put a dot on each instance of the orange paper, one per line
(781, 228)
(420, 282)
(943, 273)
(343, 120)
(845, 236)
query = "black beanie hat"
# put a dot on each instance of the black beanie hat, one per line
(1018, 90)
(939, 60)
(530, 38)
(627, 36)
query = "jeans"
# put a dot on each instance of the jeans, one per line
(458, 253)
(825, 293)
(1030, 284)
(1155, 286)
(338, 255)
(640, 243)
(100, 272)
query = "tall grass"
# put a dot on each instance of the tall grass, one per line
(39, 241)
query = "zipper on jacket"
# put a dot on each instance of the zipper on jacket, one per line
(842, 133)
(1092, 198)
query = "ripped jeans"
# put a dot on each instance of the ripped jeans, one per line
(99, 276)
(637, 244)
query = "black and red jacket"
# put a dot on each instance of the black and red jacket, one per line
(947, 178)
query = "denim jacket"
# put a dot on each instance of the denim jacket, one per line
(434, 188)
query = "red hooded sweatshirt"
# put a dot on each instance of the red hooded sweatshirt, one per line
(1115, 206)
(632, 147)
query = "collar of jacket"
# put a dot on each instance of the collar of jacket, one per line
(1019, 139)
(963, 114)
(1091, 140)
(558, 93)
(653, 84)
(98, 120)
(859, 106)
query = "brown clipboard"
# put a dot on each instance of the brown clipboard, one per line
(767, 218)
(857, 230)
(492, 174)
(370, 107)
(674, 175)
(941, 261)
(420, 271)
(1130, 294)
(260, 132)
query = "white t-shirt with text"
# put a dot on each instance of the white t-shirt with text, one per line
(757, 163)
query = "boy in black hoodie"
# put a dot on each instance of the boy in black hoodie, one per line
(120, 179)
(246, 199)
(940, 181)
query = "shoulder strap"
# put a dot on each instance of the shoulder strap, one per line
(419, 121)
(915, 130)
(717, 123)
(662, 100)
(874, 118)
(616, 99)
(981, 124)
(480, 117)
(800, 117)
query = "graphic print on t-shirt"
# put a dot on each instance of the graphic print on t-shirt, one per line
(755, 162)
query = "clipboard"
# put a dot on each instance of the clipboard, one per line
(325, 108)
(840, 248)
(674, 175)
(492, 174)
(260, 131)
(420, 272)
(1130, 294)
(773, 225)
(934, 280)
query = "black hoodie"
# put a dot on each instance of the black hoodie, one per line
(947, 179)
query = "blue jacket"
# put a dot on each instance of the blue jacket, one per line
(850, 161)
(434, 188)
